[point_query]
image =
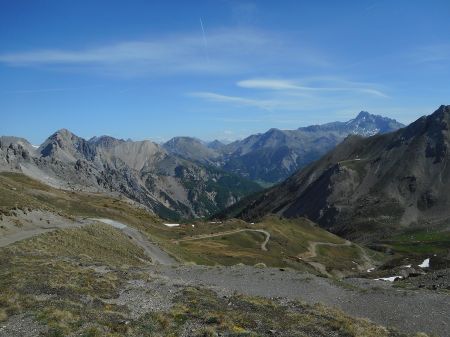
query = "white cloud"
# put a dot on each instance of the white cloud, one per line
(272, 84)
(236, 100)
(301, 94)
(324, 84)
(307, 94)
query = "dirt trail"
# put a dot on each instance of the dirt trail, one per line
(312, 248)
(206, 236)
(25, 225)
(311, 253)
(26, 234)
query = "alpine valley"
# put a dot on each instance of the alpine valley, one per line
(360, 226)
(224, 168)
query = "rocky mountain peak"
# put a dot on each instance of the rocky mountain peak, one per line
(216, 144)
(363, 114)
(105, 141)
(367, 124)
(441, 114)
(181, 139)
(64, 134)
(66, 146)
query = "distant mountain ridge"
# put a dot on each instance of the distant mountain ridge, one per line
(193, 149)
(143, 171)
(369, 187)
(365, 124)
(184, 177)
(274, 155)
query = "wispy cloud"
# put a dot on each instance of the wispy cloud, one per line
(229, 51)
(272, 84)
(236, 100)
(302, 85)
(299, 94)
(435, 53)
(274, 102)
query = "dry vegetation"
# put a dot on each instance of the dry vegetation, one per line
(67, 280)
(55, 277)
(70, 288)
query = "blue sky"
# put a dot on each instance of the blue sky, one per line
(216, 69)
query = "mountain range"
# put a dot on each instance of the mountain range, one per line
(184, 177)
(274, 155)
(142, 171)
(369, 188)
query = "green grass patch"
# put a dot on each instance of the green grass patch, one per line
(98, 243)
(421, 242)
(289, 239)
(340, 257)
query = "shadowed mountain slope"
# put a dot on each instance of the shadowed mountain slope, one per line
(370, 187)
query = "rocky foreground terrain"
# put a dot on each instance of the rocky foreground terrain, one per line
(234, 301)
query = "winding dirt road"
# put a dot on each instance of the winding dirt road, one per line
(311, 253)
(312, 248)
(206, 236)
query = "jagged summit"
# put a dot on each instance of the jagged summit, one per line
(442, 113)
(66, 147)
(363, 114)
(105, 141)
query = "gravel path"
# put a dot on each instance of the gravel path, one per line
(409, 311)
(36, 223)
(32, 223)
(23, 325)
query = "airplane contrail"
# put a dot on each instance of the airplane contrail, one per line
(204, 40)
